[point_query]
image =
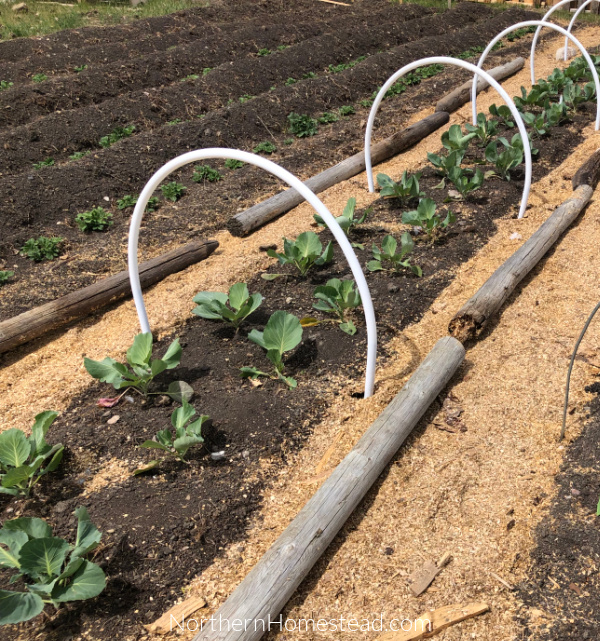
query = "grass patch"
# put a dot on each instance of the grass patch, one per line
(43, 18)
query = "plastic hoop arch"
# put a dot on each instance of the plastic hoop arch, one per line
(580, 8)
(539, 23)
(536, 35)
(294, 183)
(478, 72)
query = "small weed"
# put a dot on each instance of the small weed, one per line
(126, 202)
(5, 276)
(283, 47)
(97, 219)
(49, 162)
(206, 71)
(290, 81)
(328, 117)
(347, 110)
(190, 77)
(288, 141)
(206, 173)
(175, 121)
(39, 77)
(42, 248)
(245, 98)
(173, 191)
(4, 84)
(80, 68)
(231, 163)
(309, 75)
(264, 52)
(302, 125)
(118, 133)
(79, 154)
(266, 147)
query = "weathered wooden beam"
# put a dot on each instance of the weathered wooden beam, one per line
(270, 584)
(490, 297)
(262, 213)
(460, 96)
(40, 320)
(589, 172)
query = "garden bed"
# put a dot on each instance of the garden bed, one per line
(167, 526)
(75, 186)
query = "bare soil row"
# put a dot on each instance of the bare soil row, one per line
(61, 134)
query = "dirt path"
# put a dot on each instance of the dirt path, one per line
(474, 497)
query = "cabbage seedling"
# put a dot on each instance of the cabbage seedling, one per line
(388, 254)
(485, 129)
(336, 297)
(143, 367)
(304, 252)
(405, 190)
(463, 183)
(444, 164)
(426, 218)
(454, 140)
(52, 570)
(504, 115)
(282, 333)
(187, 434)
(347, 221)
(24, 460)
(232, 308)
(504, 161)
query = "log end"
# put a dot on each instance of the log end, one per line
(464, 328)
(236, 228)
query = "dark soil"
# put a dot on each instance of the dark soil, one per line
(564, 577)
(122, 169)
(163, 528)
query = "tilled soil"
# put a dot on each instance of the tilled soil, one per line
(45, 201)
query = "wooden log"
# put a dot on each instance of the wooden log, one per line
(460, 96)
(475, 313)
(40, 320)
(589, 172)
(262, 213)
(269, 585)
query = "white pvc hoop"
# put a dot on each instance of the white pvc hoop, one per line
(478, 72)
(536, 35)
(294, 183)
(540, 23)
(573, 20)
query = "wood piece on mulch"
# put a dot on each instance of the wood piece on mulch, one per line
(431, 623)
(169, 620)
(423, 577)
(40, 320)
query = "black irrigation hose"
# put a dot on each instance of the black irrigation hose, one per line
(583, 331)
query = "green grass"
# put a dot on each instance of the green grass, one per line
(43, 18)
